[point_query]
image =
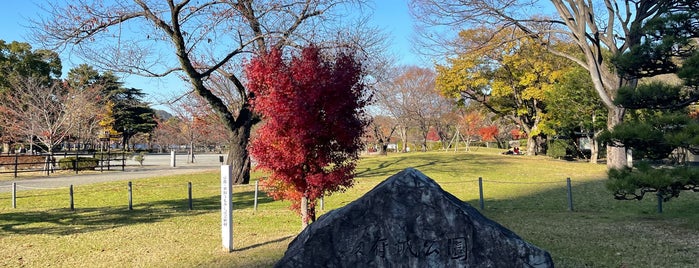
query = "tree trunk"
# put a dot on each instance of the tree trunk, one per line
(238, 156)
(616, 156)
(191, 152)
(594, 148)
(531, 145)
(403, 132)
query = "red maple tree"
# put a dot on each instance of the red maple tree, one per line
(488, 133)
(313, 109)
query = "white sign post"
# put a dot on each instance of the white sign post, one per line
(172, 158)
(226, 208)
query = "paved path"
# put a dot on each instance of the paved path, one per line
(155, 165)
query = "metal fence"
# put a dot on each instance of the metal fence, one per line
(23, 163)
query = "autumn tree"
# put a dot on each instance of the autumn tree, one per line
(19, 61)
(488, 133)
(166, 133)
(197, 123)
(470, 125)
(47, 112)
(601, 31)
(197, 39)
(422, 101)
(410, 98)
(382, 129)
(313, 108)
(510, 79)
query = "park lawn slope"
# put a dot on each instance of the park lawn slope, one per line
(526, 194)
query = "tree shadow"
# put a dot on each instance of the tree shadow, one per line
(385, 166)
(263, 243)
(84, 220)
(599, 229)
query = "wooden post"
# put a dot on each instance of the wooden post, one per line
(226, 208)
(256, 190)
(72, 206)
(173, 162)
(47, 166)
(16, 163)
(481, 203)
(77, 157)
(189, 190)
(570, 195)
(130, 197)
(14, 195)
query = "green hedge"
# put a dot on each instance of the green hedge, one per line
(558, 149)
(84, 163)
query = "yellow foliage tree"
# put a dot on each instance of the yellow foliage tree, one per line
(507, 72)
(106, 121)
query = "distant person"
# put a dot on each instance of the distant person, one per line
(516, 151)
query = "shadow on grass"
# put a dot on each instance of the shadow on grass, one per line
(84, 220)
(385, 166)
(264, 243)
(600, 231)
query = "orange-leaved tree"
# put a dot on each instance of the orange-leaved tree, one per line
(313, 111)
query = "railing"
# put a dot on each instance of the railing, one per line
(129, 199)
(19, 163)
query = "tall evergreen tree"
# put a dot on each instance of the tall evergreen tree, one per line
(124, 112)
(659, 129)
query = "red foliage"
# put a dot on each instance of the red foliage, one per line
(313, 109)
(432, 135)
(488, 133)
(517, 134)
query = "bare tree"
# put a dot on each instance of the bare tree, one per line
(196, 123)
(166, 133)
(382, 128)
(410, 98)
(196, 39)
(48, 111)
(600, 29)
(394, 100)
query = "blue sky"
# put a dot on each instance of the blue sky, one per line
(391, 15)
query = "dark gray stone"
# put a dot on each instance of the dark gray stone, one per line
(409, 221)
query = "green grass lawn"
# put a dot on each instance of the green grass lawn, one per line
(525, 194)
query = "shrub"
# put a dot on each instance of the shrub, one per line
(140, 157)
(558, 149)
(84, 163)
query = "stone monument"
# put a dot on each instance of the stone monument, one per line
(409, 221)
